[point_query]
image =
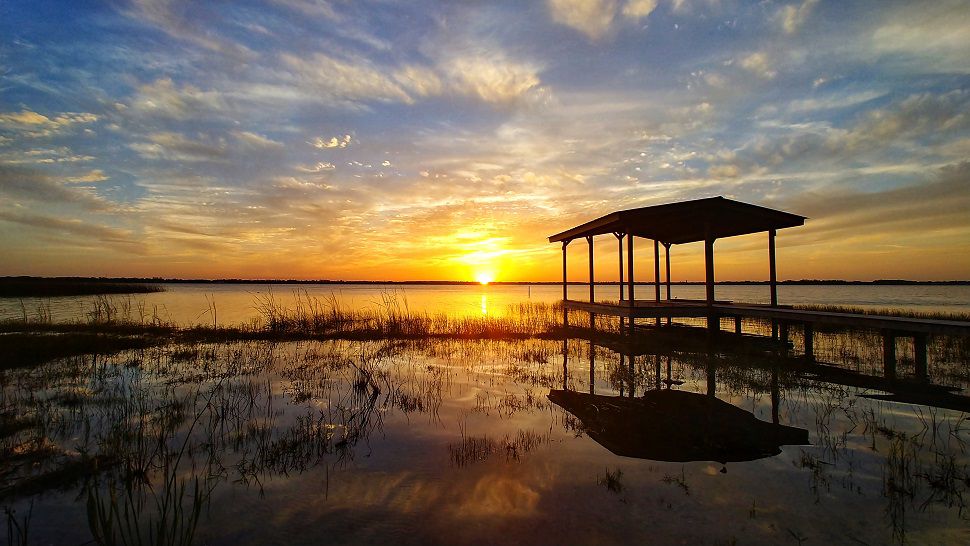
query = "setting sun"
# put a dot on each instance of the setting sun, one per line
(485, 277)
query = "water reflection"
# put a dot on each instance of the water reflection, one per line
(474, 441)
(676, 426)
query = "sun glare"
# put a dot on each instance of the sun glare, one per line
(484, 277)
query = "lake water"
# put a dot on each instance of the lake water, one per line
(234, 304)
(473, 442)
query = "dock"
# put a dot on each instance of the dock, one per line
(709, 220)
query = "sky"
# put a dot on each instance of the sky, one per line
(314, 139)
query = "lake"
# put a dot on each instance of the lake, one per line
(235, 304)
(472, 442)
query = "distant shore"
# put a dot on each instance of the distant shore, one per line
(123, 284)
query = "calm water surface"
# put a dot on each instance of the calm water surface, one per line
(227, 304)
(476, 442)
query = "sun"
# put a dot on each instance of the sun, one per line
(484, 277)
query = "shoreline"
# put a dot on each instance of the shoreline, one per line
(160, 280)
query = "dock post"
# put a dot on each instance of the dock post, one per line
(809, 333)
(919, 354)
(629, 272)
(783, 331)
(889, 354)
(592, 298)
(592, 367)
(619, 240)
(737, 324)
(656, 365)
(667, 278)
(709, 269)
(772, 270)
(656, 273)
(564, 295)
(713, 322)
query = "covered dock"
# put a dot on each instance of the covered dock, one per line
(709, 220)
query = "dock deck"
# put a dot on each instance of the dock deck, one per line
(783, 314)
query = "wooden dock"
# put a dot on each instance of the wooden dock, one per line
(782, 318)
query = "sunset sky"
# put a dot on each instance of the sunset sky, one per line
(424, 140)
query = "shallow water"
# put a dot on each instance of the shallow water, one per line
(461, 442)
(237, 304)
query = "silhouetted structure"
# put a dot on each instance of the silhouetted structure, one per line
(678, 223)
(676, 426)
(708, 220)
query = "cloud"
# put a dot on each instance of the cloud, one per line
(254, 141)
(187, 21)
(792, 17)
(28, 123)
(759, 65)
(349, 81)
(332, 142)
(71, 226)
(318, 168)
(177, 147)
(419, 80)
(595, 18)
(934, 205)
(925, 37)
(874, 138)
(36, 186)
(96, 175)
(591, 17)
(491, 78)
(165, 99)
(42, 156)
(638, 9)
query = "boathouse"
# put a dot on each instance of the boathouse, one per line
(708, 220)
(672, 224)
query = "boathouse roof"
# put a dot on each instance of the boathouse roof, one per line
(686, 221)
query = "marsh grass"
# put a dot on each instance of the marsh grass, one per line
(890, 312)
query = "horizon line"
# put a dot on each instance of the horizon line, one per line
(457, 282)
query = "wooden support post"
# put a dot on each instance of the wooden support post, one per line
(619, 240)
(656, 366)
(737, 324)
(784, 332)
(564, 295)
(889, 354)
(667, 256)
(656, 270)
(713, 322)
(709, 268)
(809, 332)
(592, 298)
(592, 364)
(919, 356)
(629, 271)
(773, 277)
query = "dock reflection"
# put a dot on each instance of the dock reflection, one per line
(677, 426)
